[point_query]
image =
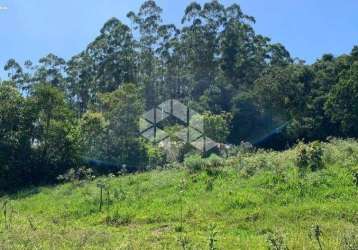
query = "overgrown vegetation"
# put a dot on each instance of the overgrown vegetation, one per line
(56, 114)
(273, 207)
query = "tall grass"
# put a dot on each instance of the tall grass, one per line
(256, 199)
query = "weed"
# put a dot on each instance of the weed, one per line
(194, 163)
(119, 219)
(210, 184)
(119, 194)
(355, 176)
(31, 223)
(103, 187)
(275, 241)
(212, 237)
(182, 187)
(213, 165)
(309, 156)
(316, 234)
(350, 241)
(7, 213)
(184, 242)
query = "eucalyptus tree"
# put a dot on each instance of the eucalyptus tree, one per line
(167, 84)
(81, 75)
(147, 22)
(18, 76)
(113, 55)
(51, 70)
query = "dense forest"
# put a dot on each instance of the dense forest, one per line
(57, 114)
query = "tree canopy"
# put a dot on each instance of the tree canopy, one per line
(56, 112)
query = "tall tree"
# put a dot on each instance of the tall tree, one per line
(51, 70)
(113, 55)
(55, 136)
(122, 109)
(147, 21)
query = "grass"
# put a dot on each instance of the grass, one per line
(256, 201)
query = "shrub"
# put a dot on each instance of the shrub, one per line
(245, 148)
(250, 165)
(194, 163)
(119, 219)
(77, 176)
(309, 156)
(213, 165)
(155, 156)
(275, 241)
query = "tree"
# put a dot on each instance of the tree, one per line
(113, 54)
(148, 21)
(17, 75)
(82, 87)
(15, 139)
(51, 70)
(122, 109)
(342, 105)
(93, 127)
(55, 135)
(217, 127)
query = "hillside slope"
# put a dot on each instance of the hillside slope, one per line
(251, 201)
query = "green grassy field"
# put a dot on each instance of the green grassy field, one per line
(252, 201)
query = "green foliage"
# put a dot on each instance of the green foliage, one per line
(276, 241)
(355, 177)
(77, 177)
(39, 136)
(316, 234)
(156, 156)
(149, 207)
(117, 219)
(309, 156)
(55, 112)
(217, 126)
(342, 105)
(214, 165)
(349, 240)
(212, 238)
(194, 163)
(15, 126)
(93, 127)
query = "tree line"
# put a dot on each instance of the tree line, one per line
(56, 113)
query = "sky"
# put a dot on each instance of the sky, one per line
(30, 29)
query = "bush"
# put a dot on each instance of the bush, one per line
(309, 156)
(155, 156)
(194, 163)
(77, 176)
(119, 219)
(275, 241)
(213, 165)
(252, 164)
